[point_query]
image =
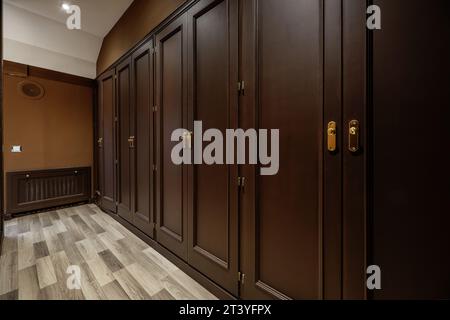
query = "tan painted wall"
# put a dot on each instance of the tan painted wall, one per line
(139, 20)
(55, 132)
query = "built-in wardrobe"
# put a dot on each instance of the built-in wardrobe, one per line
(304, 67)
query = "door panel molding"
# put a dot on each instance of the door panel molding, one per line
(125, 130)
(143, 102)
(213, 75)
(107, 142)
(294, 239)
(171, 82)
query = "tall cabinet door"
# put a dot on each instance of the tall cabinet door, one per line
(106, 143)
(282, 214)
(143, 103)
(213, 98)
(171, 73)
(408, 217)
(125, 143)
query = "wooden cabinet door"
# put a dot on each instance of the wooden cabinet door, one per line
(107, 152)
(282, 214)
(125, 148)
(408, 217)
(142, 84)
(213, 99)
(171, 75)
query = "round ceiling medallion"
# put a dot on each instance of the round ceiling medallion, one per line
(31, 89)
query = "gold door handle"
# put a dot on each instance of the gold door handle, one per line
(353, 136)
(100, 142)
(131, 142)
(332, 133)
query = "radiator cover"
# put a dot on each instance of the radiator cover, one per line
(36, 190)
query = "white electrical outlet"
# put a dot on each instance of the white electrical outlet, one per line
(16, 149)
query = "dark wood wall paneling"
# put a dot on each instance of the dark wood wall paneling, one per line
(409, 180)
(310, 231)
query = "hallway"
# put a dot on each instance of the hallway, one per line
(114, 264)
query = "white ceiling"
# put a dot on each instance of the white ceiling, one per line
(35, 33)
(98, 16)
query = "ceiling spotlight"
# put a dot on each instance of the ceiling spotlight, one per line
(66, 6)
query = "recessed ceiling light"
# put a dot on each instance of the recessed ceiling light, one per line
(66, 6)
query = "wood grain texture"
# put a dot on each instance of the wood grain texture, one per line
(114, 264)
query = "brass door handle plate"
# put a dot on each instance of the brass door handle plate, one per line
(353, 136)
(332, 136)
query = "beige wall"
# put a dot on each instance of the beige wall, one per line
(54, 132)
(139, 20)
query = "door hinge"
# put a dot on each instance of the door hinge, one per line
(241, 88)
(155, 109)
(116, 119)
(241, 278)
(155, 168)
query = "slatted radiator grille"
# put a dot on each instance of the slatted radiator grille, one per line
(35, 190)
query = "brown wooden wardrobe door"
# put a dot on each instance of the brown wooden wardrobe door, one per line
(282, 239)
(408, 216)
(124, 142)
(142, 84)
(171, 73)
(213, 77)
(107, 154)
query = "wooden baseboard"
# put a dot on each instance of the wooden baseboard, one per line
(190, 271)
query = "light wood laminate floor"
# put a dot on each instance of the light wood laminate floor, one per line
(114, 263)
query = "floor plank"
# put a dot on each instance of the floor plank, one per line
(26, 250)
(133, 289)
(8, 274)
(45, 272)
(14, 295)
(114, 291)
(111, 261)
(40, 250)
(28, 284)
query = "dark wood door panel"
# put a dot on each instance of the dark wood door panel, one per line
(409, 217)
(213, 74)
(284, 219)
(125, 153)
(107, 168)
(144, 130)
(171, 71)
